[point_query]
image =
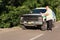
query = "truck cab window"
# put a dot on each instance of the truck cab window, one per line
(39, 11)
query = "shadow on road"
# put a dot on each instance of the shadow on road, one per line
(33, 28)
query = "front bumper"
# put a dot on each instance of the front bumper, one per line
(32, 24)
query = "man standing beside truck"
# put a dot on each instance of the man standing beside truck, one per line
(49, 18)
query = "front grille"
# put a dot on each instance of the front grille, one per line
(30, 18)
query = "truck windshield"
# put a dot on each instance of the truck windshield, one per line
(39, 11)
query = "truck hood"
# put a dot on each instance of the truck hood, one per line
(32, 14)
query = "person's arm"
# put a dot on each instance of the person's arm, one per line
(46, 14)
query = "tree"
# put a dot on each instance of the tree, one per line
(10, 10)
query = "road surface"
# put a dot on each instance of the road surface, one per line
(32, 34)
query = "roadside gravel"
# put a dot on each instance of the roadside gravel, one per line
(2, 30)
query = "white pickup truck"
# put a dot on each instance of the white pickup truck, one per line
(36, 19)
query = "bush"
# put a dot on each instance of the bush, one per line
(58, 13)
(10, 10)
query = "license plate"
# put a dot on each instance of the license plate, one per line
(29, 23)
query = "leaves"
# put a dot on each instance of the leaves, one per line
(10, 10)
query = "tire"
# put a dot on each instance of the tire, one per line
(44, 26)
(24, 27)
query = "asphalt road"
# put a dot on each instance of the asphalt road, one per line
(32, 34)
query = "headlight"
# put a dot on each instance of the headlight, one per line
(30, 22)
(38, 22)
(21, 18)
(25, 22)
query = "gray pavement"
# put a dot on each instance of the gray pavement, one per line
(54, 35)
(32, 34)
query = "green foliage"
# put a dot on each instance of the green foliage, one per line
(10, 10)
(58, 13)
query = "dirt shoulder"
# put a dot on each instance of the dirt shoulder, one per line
(12, 29)
(2, 30)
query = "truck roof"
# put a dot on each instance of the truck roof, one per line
(41, 8)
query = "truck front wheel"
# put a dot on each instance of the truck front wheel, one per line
(44, 26)
(24, 27)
